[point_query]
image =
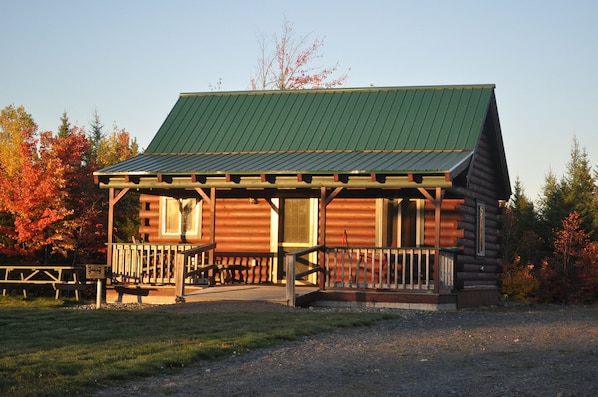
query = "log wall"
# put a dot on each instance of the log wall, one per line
(241, 225)
(355, 216)
(482, 186)
(449, 222)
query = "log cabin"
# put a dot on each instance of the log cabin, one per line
(380, 196)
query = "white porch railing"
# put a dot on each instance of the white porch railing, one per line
(145, 263)
(388, 268)
(155, 263)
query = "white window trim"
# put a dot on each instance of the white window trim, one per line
(189, 233)
(419, 221)
(382, 218)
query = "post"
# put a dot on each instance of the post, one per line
(290, 276)
(322, 237)
(179, 277)
(437, 231)
(437, 201)
(113, 198)
(99, 294)
(98, 273)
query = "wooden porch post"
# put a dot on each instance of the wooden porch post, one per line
(322, 235)
(437, 202)
(112, 200)
(325, 199)
(211, 200)
(212, 221)
(437, 212)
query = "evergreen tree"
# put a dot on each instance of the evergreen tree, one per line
(65, 126)
(552, 210)
(520, 229)
(579, 189)
(96, 134)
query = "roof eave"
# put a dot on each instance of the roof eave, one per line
(270, 181)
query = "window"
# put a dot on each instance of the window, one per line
(480, 229)
(180, 217)
(403, 223)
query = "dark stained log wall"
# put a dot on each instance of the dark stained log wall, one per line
(482, 186)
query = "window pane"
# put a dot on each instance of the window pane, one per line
(296, 220)
(171, 216)
(189, 216)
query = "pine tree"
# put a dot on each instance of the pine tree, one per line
(552, 210)
(520, 229)
(96, 134)
(579, 189)
(65, 126)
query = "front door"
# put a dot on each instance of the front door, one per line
(298, 230)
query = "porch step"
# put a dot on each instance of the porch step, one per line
(415, 300)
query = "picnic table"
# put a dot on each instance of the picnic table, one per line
(62, 278)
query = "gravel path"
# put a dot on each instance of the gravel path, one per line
(499, 351)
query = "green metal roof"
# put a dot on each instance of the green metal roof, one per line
(392, 162)
(394, 131)
(383, 119)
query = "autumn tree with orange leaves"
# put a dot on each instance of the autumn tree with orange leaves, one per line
(36, 196)
(50, 209)
(289, 65)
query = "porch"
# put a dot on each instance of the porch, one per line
(324, 275)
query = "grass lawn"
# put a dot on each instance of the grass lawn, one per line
(51, 350)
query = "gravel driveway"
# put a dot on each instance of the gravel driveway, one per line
(499, 351)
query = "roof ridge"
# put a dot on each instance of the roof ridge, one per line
(312, 151)
(338, 90)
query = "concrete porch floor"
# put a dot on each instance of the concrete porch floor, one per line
(256, 292)
(239, 292)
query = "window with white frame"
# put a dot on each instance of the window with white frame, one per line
(401, 222)
(480, 229)
(180, 217)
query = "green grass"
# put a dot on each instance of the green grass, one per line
(50, 350)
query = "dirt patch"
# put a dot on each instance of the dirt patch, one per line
(498, 351)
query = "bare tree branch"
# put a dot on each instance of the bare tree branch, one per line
(289, 65)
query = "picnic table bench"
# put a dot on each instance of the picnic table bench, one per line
(62, 278)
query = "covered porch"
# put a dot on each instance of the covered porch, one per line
(334, 275)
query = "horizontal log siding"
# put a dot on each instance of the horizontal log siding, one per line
(355, 216)
(240, 225)
(473, 270)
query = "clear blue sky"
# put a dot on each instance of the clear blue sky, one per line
(131, 59)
